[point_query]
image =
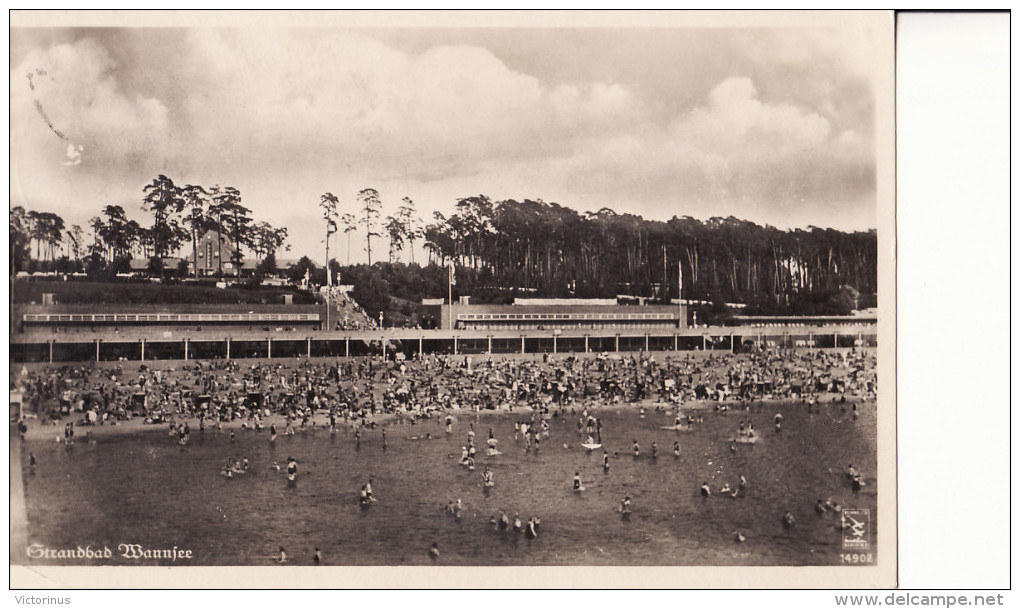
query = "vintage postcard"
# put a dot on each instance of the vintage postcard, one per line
(452, 300)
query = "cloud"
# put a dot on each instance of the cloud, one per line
(287, 114)
(345, 100)
(76, 87)
(77, 137)
(735, 153)
(736, 122)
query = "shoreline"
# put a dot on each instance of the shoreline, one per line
(38, 431)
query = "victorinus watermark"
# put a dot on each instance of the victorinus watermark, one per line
(124, 551)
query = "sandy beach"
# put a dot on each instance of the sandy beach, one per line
(42, 428)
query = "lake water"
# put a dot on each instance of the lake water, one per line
(142, 488)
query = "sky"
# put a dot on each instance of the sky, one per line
(772, 125)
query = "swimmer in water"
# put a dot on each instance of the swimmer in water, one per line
(31, 461)
(605, 462)
(504, 522)
(317, 557)
(625, 505)
(676, 448)
(655, 450)
(517, 523)
(487, 478)
(272, 433)
(788, 520)
(637, 449)
(434, 551)
(577, 481)
(705, 490)
(282, 558)
(291, 469)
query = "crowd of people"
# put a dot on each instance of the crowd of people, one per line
(362, 388)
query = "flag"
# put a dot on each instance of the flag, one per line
(453, 277)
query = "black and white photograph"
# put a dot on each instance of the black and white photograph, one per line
(311, 294)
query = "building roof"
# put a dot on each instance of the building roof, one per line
(142, 264)
(564, 302)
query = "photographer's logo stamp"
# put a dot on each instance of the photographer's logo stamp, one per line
(856, 529)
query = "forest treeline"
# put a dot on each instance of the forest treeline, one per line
(552, 250)
(502, 249)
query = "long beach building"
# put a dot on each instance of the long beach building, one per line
(559, 314)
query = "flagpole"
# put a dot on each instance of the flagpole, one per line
(449, 284)
(680, 291)
(329, 281)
